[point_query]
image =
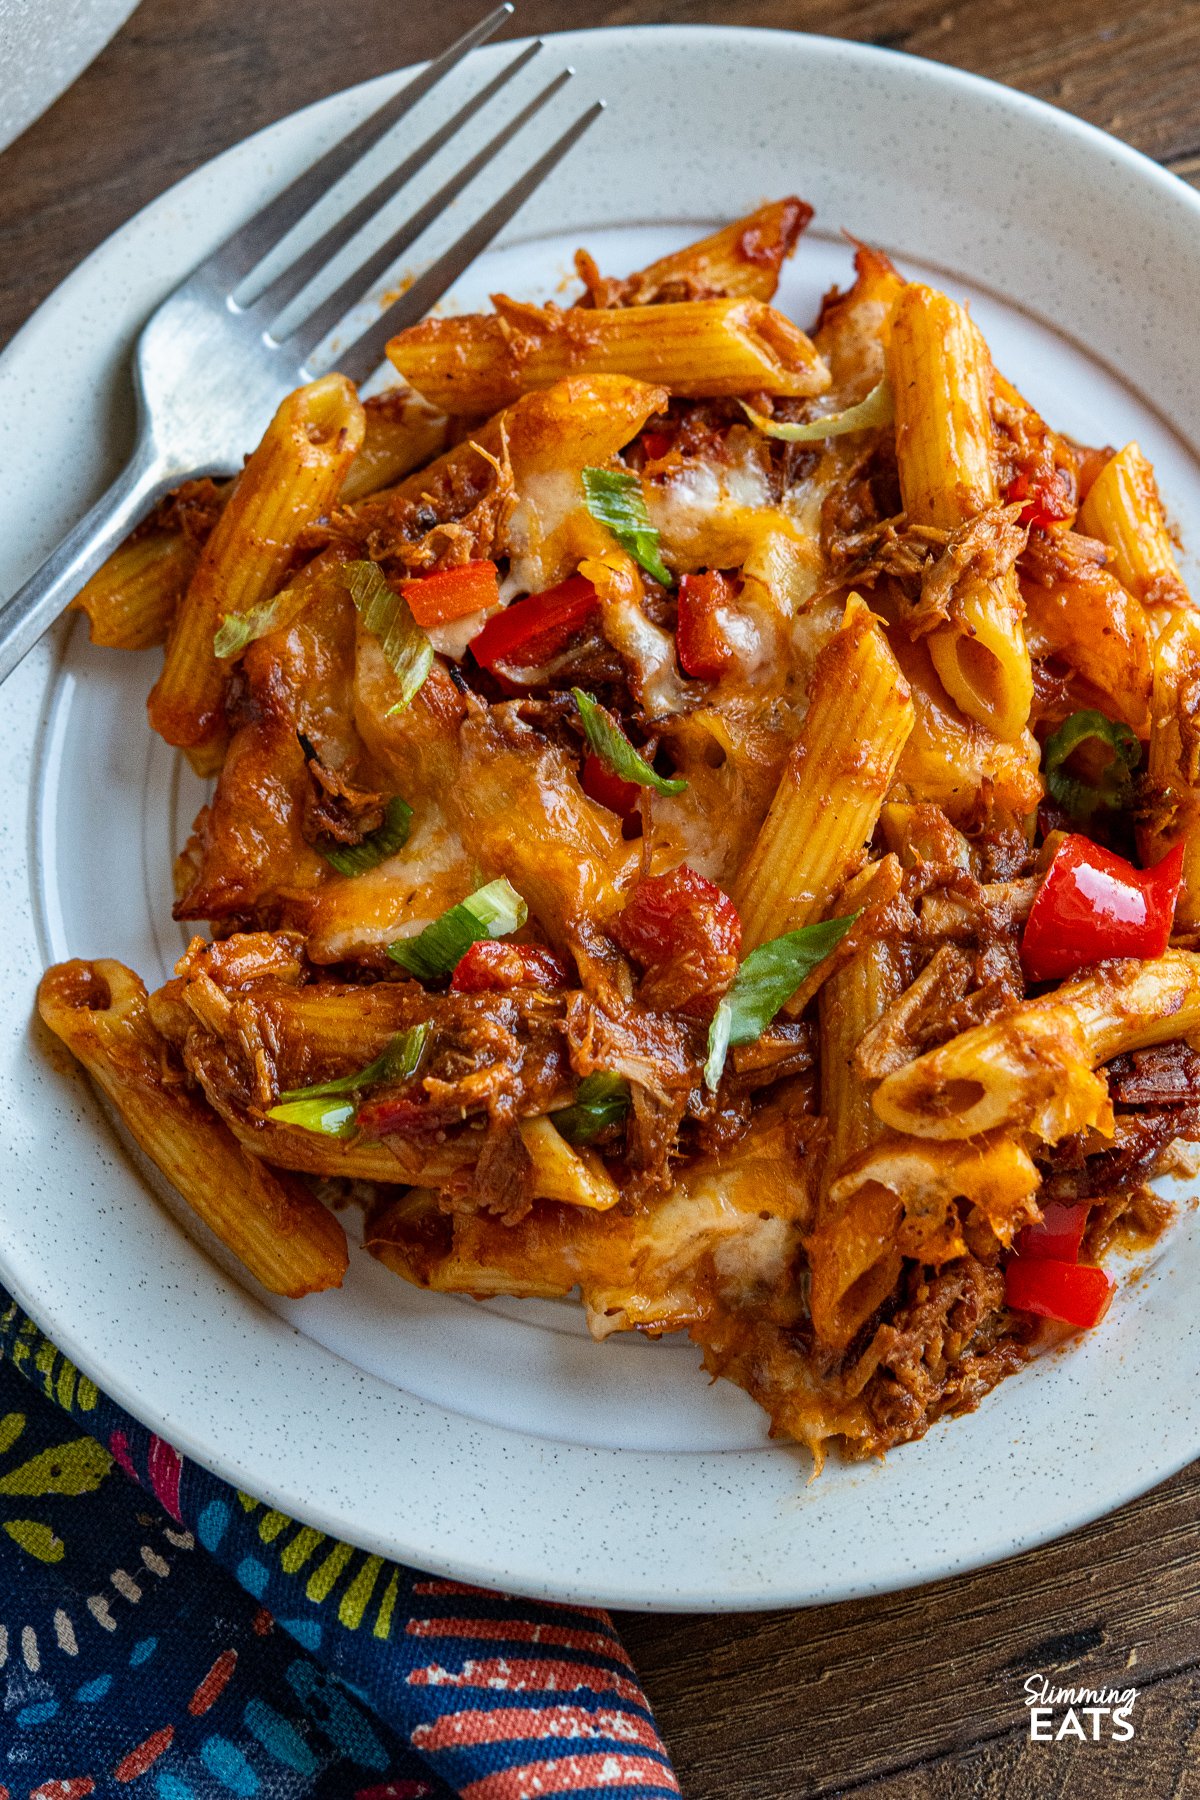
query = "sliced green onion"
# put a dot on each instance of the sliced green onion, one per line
(614, 498)
(388, 616)
(877, 409)
(614, 749)
(241, 628)
(377, 846)
(602, 1100)
(332, 1118)
(766, 981)
(718, 1045)
(491, 912)
(399, 1059)
(1112, 789)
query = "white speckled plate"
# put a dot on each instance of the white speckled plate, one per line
(496, 1443)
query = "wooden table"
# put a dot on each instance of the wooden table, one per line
(919, 1694)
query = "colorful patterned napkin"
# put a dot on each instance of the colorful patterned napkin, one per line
(165, 1636)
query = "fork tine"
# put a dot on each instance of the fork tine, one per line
(359, 359)
(271, 302)
(233, 260)
(308, 334)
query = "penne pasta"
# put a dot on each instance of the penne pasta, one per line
(575, 1177)
(400, 433)
(557, 1172)
(131, 601)
(521, 470)
(272, 1223)
(826, 806)
(315, 1029)
(853, 330)
(311, 1153)
(940, 376)
(1033, 1070)
(941, 379)
(476, 363)
(947, 756)
(740, 261)
(850, 1002)
(292, 478)
(899, 1198)
(1097, 627)
(1123, 510)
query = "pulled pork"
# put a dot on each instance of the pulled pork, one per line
(947, 1345)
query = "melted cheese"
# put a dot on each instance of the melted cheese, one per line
(355, 914)
(754, 1259)
(539, 523)
(743, 1213)
(708, 513)
(650, 650)
(452, 638)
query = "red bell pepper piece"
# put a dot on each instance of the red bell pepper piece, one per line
(1059, 1234)
(1075, 1293)
(452, 593)
(656, 444)
(531, 631)
(490, 964)
(393, 1115)
(1093, 905)
(599, 783)
(703, 649)
(1047, 499)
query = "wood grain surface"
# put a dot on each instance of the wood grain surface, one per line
(912, 1695)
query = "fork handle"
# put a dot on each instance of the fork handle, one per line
(34, 607)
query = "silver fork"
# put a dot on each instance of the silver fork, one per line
(207, 371)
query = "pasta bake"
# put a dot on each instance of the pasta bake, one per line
(703, 817)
